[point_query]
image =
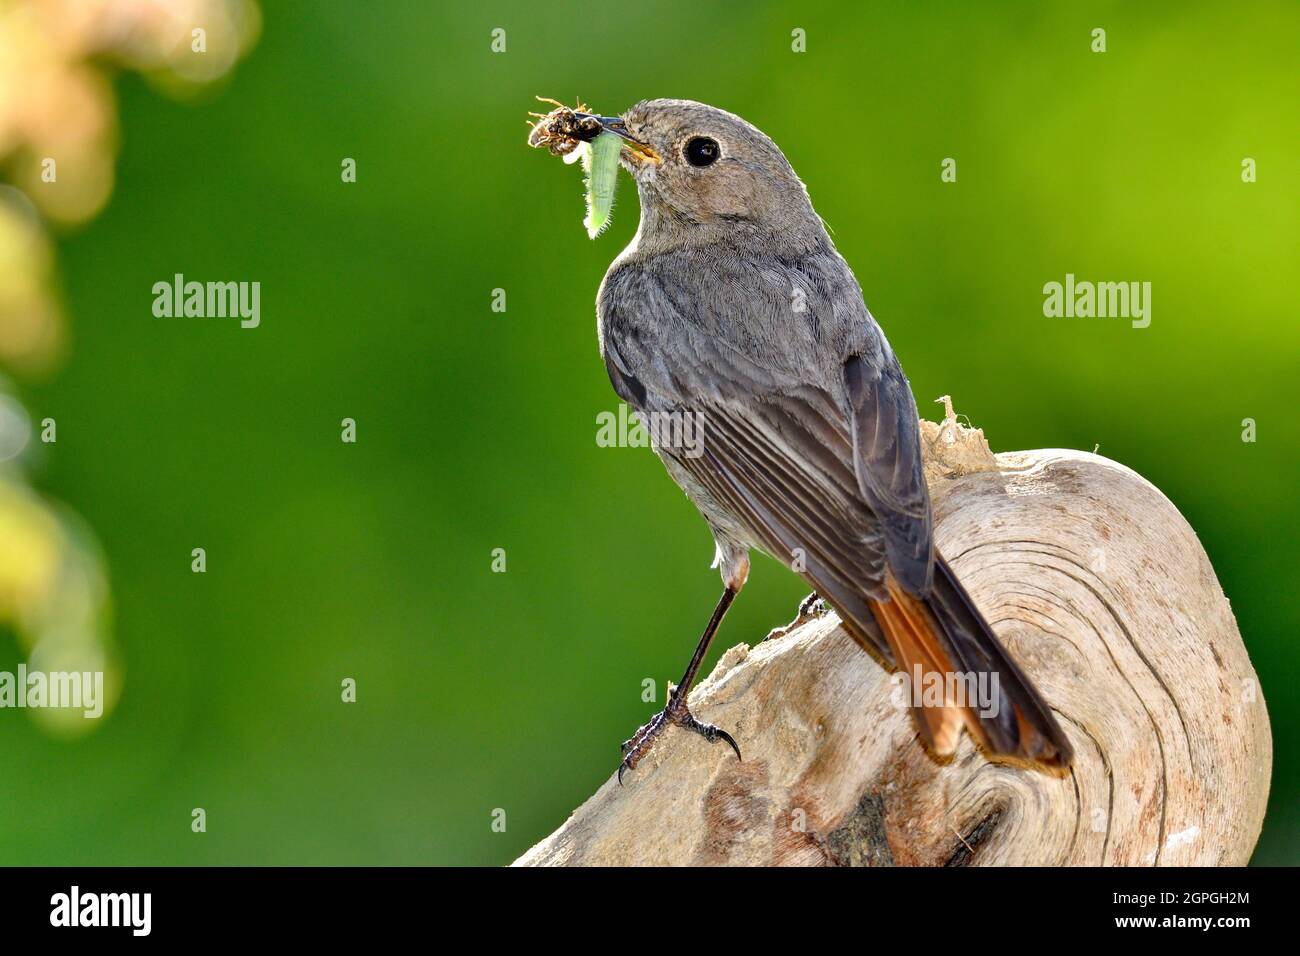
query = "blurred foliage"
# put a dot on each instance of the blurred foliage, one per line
(476, 430)
(58, 142)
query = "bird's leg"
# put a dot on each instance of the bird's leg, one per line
(810, 608)
(676, 712)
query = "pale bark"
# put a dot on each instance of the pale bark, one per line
(1099, 589)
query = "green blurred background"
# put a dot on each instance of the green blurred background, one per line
(476, 430)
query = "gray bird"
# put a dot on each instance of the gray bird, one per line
(731, 310)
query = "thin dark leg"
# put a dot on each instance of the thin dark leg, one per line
(676, 712)
(706, 639)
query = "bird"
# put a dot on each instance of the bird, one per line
(731, 309)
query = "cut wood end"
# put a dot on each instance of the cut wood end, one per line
(1101, 592)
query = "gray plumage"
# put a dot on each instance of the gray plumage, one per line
(732, 305)
(706, 324)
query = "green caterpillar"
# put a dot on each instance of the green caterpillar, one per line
(600, 163)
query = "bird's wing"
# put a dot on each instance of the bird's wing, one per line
(806, 434)
(887, 459)
(808, 431)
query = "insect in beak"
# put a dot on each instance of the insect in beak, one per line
(564, 129)
(638, 151)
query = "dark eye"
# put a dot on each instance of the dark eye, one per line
(701, 151)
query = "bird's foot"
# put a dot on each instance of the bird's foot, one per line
(675, 713)
(811, 608)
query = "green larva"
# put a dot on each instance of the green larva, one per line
(600, 163)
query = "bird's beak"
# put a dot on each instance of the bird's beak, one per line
(635, 150)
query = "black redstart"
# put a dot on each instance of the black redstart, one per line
(731, 310)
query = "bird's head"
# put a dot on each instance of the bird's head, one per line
(704, 174)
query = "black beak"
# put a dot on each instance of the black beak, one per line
(640, 152)
(613, 124)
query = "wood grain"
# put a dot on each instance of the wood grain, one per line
(1099, 589)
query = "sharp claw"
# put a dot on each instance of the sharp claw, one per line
(645, 737)
(727, 737)
(809, 606)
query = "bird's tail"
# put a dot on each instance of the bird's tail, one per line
(959, 674)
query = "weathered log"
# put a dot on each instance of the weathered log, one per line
(1100, 590)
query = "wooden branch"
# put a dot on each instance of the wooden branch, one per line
(1100, 590)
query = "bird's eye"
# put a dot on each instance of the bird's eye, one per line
(701, 151)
